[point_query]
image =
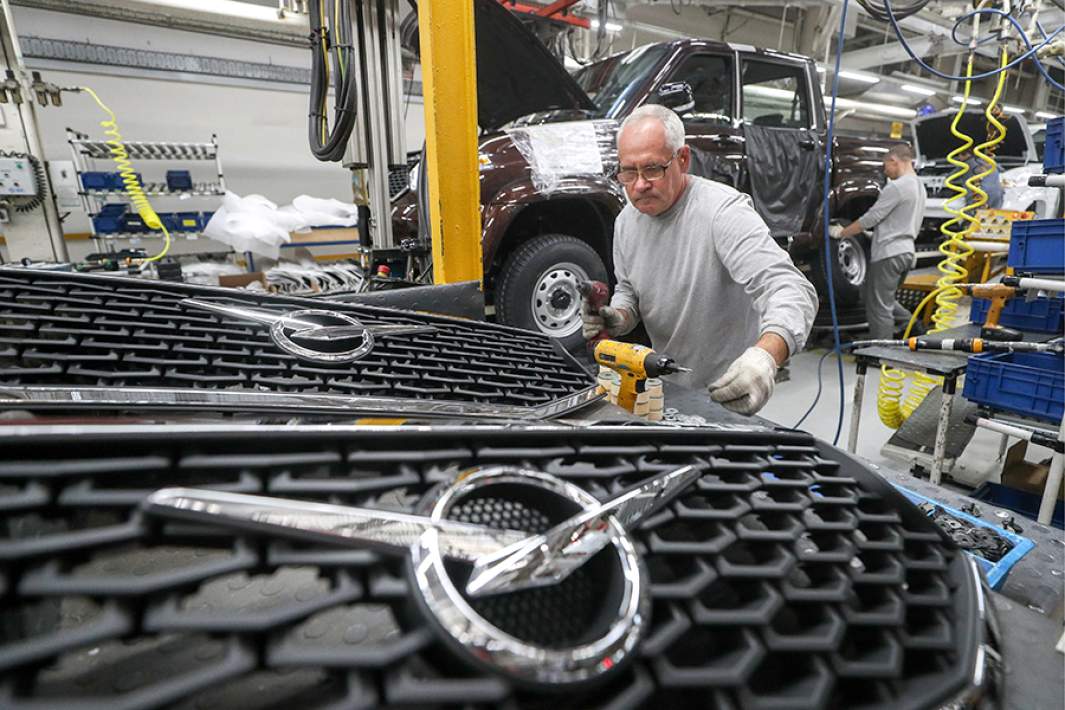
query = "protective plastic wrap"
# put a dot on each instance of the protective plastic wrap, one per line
(256, 224)
(556, 151)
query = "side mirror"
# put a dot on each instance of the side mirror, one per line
(677, 96)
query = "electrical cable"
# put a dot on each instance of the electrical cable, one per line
(827, 183)
(817, 397)
(1030, 52)
(331, 42)
(129, 177)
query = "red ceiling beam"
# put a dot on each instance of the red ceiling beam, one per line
(549, 12)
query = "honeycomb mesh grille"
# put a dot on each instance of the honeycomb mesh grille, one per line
(70, 329)
(782, 578)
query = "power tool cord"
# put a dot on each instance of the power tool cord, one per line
(825, 209)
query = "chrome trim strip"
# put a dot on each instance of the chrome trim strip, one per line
(384, 530)
(170, 399)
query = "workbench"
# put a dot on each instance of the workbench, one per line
(946, 364)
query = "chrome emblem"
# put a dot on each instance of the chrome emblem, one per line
(315, 335)
(478, 583)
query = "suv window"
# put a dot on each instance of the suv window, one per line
(710, 77)
(775, 95)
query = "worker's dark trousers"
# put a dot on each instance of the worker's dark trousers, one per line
(881, 309)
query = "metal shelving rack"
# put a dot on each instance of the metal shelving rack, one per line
(86, 152)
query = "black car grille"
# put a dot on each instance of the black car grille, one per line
(71, 329)
(782, 579)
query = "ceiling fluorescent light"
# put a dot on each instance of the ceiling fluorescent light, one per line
(1013, 109)
(610, 26)
(972, 100)
(1045, 114)
(858, 76)
(229, 8)
(914, 89)
(882, 109)
(820, 69)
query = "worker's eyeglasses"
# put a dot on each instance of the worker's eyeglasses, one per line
(650, 173)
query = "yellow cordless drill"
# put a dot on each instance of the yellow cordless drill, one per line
(635, 363)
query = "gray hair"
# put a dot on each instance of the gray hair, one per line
(670, 121)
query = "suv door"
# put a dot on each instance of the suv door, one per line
(783, 144)
(711, 127)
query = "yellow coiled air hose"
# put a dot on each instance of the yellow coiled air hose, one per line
(129, 177)
(893, 407)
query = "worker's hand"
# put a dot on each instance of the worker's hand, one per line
(835, 231)
(612, 320)
(748, 383)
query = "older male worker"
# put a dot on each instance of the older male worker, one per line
(896, 219)
(697, 265)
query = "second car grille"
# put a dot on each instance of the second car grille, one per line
(75, 330)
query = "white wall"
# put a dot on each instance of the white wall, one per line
(262, 130)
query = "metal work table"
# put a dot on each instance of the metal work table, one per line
(1031, 603)
(948, 365)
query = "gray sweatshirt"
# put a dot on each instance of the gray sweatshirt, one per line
(707, 280)
(896, 216)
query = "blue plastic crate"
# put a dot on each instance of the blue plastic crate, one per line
(110, 219)
(1030, 384)
(133, 223)
(177, 180)
(188, 221)
(1054, 151)
(1042, 315)
(95, 180)
(1023, 502)
(1038, 246)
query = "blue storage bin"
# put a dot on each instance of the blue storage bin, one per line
(1030, 384)
(995, 572)
(96, 180)
(170, 221)
(1042, 315)
(110, 219)
(1054, 151)
(188, 221)
(1038, 246)
(133, 223)
(1023, 502)
(178, 180)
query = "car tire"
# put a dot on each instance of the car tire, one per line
(537, 289)
(850, 267)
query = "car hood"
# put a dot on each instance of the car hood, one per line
(933, 139)
(516, 74)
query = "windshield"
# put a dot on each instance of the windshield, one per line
(612, 82)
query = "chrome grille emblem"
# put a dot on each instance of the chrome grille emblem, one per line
(490, 590)
(315, 335)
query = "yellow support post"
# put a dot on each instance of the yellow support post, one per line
(449, 84)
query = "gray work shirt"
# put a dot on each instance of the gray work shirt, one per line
(707, 280)
(896, 217)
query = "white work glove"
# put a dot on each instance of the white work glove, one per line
(747, 383)
(835, 231)
(612, 320)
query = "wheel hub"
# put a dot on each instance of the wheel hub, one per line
(556, 300)
(852, 261)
